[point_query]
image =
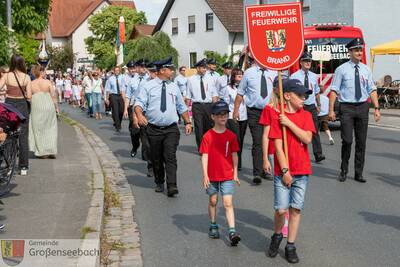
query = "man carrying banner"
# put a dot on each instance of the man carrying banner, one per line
(312, 104)
(353, 84)
(256, 86)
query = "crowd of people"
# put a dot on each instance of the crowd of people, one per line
(222, 106)
(219, 108)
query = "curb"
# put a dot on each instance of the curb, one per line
(117, 227)
(386, 114)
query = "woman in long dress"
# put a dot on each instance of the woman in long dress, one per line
(43, 118)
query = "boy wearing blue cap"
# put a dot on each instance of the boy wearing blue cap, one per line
(290, 171)
(219, 160)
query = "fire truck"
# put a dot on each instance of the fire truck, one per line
(331, 37)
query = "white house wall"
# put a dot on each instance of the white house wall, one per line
(379, 25)
(79, 36)
(199, 41)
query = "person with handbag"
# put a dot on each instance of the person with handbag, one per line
(19, 94)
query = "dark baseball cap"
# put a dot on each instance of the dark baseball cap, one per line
(275, 84)
(295, 86)
(219, 107)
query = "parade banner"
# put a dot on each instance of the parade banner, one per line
(275, 34)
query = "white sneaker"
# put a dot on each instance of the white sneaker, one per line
(24, 171)
(331, 141)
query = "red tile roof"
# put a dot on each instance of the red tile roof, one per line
(229, 12)
(141, 30)
(129, 4)
(67, 15)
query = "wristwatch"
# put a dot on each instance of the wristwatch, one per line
(377, 108)
(284, 171)
(189, 122)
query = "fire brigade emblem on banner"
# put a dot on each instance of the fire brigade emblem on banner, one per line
(12, 251)
(275, 34)
(276, 40)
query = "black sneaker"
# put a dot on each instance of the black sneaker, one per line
(172, 191)
(213, 232)
(159, 188)
(276, 240)
(257, 180)
(133, 153)
(291, 254)
(234, 238)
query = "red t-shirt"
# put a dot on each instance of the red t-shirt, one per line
(219, 147)
(299, 159)
(267, 115)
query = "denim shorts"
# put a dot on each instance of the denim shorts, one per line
(225, 188)
(293, 197)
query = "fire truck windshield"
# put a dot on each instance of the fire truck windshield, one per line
(337, 47)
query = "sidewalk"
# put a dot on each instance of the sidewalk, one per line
(390, 118)
(52, 202)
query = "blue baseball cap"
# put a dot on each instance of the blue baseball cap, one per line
(295, 86)
(219, 107)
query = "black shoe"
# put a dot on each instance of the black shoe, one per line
(172, 191)
(150, 173)
(213, 232)
(291, 254)
(276, 240)
(234, 238)
(133, 153)
(319, 158)
(257, 180)
(342, 176)
(266, 176)
(360, 179)
(159, 188)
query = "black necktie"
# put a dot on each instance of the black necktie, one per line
(357, 82)
(203, 92)
(163, 106)
(263, 88)
(306, 85)
(116, 78)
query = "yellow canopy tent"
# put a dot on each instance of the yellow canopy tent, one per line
(391, 48)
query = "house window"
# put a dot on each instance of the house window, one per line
(174, 26)
(209, 21)
(193, 59)
(192, 23)
(306, 5)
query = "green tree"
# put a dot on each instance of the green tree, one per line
(153, 48)
(61, 58)
(221, 59)
(28, 18)
(103, 25)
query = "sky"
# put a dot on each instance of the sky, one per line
(152, 8)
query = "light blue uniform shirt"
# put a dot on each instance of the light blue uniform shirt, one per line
(193, 91)
(214, 76)
(324, 105)
(129, 91)
(250, 86)
(181, 81)
(149, 99)
(343, 82)
(229, 97)
(312, 84)
(222, 84)
(111, 84)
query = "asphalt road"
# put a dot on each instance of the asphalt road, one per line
(344, 224)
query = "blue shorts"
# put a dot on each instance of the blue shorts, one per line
(225, 188)
(293, 197)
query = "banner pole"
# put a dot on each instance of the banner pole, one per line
(320, 71)
(285, 146)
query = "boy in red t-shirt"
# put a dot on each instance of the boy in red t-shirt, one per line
(219, 160)
(291, 179)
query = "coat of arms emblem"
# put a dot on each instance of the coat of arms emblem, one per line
(12, 251)
(276, 40)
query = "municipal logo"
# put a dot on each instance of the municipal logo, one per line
(276, 40)
(12, 251)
